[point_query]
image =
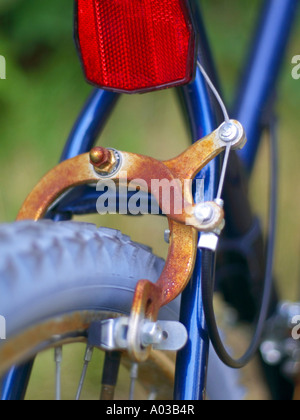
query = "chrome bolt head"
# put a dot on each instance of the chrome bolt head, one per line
(204, 213)
(229, 132)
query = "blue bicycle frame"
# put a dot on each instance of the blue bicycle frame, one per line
(203, 117)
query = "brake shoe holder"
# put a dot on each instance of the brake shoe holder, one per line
(100, 163)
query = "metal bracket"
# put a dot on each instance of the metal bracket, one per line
(112, 335)
(123, 167)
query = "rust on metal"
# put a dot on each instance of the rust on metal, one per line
(184, 226)
(176, 172)
(68, 174)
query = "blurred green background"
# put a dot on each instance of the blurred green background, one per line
(45, 90)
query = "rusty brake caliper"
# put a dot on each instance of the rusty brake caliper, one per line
(139, 333)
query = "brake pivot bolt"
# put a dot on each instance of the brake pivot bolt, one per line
(228, 132)
(204, 213)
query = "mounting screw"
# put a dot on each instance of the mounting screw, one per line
(229, 132)
(151, 334)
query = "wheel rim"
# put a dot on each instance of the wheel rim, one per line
(72, 328)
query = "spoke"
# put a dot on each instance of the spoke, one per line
(87, 359)
(153, 395)
(133, 377)
(110, 375)
(58, 360)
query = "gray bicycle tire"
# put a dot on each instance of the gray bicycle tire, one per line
(47, 269)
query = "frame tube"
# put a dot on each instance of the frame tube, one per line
(262, 71)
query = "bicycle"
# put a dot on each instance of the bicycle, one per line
(87, 308)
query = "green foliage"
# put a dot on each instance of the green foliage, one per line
(29, 22)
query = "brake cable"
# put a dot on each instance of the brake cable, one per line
(209, 258)
(227, 123)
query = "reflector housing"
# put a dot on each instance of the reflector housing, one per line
(135, 45)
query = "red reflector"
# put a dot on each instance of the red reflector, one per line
(136, 45)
